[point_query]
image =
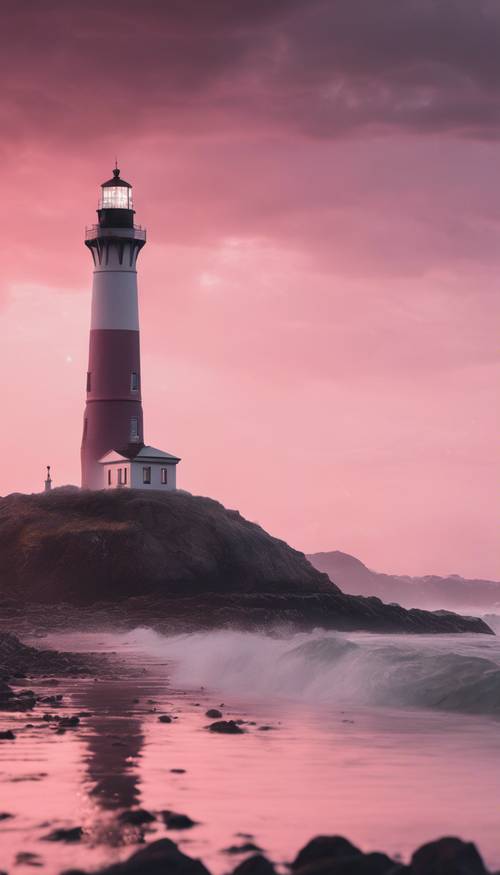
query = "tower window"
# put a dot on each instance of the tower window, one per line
(134, 428)
(89, 381)
(164, 476)
(109, 476)
(134, 382)
(146, 474)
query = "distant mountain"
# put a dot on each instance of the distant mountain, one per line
(429, 592)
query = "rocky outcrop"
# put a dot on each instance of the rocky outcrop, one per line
(119, 558)
(17, 660)
(81, 547)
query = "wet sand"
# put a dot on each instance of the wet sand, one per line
(388, 779)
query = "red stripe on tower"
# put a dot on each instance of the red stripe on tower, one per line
(113, 412)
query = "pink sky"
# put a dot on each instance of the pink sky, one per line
(319, 304)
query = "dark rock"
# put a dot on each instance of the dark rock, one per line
(229, 727)
(4, 815)
(7, 735)
(177, 562)
(69, 722)
(73, 834)
(178, 771)
(173, 820)
(255, 865)
(165, 718)
(447, 856)
(325, 848)
(244, 848)
(136, 817)
(28, 858)
(213, 713)
(357, 864)
(266, 728)
(25, 700)
(157, 858)
(75, 546)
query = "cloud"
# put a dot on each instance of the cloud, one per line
(324, 69)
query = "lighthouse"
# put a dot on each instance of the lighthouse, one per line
(113, 452)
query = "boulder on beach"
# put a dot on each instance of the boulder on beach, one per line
(257, 864)
(447, 856)
(324, 855)
(156, 858)
(324, 848)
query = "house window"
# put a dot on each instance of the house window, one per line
(146, 474)
(109, 476)
(124, 476)
(164, 476)
(134, 428)
(134, 381)
(89, 381)
(120, 477)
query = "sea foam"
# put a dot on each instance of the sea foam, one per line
(455, 672)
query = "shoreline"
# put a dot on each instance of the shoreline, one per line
(120, 746)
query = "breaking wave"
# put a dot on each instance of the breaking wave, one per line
(457, 673)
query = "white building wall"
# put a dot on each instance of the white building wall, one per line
(138, 479)
(135, 475)
(114, 468)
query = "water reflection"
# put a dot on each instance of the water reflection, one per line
(113, 741)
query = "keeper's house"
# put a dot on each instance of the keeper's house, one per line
(139, 467)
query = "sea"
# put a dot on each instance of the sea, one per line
(388, 740)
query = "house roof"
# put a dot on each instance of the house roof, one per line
(139, 453)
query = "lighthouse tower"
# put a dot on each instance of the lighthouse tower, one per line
(113, 413)
(113, 450)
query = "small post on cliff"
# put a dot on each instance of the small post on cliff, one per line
(48, 481)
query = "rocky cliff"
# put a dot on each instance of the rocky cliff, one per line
(173, 557)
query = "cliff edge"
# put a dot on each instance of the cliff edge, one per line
(137, 556)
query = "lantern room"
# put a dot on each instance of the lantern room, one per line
(116, 194)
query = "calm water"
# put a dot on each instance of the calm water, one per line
(349, 753)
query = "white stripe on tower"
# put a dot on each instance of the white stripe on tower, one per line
(114, 296)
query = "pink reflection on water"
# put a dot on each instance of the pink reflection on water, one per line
(387, 779)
